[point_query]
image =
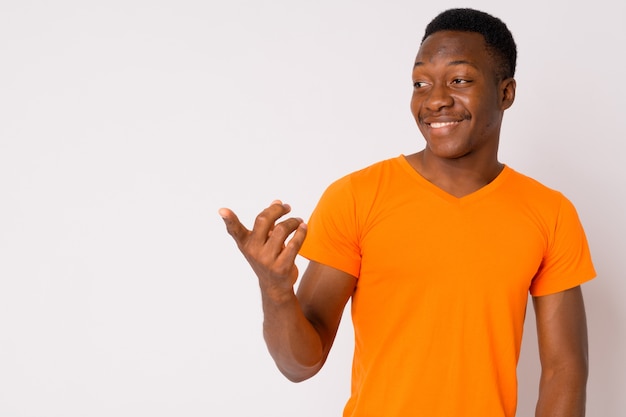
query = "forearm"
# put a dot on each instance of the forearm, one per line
(562, 393)
(298, 346)
(293, 342)
(562, 335)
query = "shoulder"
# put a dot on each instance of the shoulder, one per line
(361, 187)
(372, 175)
(547, 205)
(533, 191)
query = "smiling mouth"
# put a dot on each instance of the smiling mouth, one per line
(438, 125)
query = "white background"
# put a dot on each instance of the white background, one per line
(125, 125)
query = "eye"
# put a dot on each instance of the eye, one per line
(419, 84)
(460, 81)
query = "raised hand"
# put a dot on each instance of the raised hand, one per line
(266, 248)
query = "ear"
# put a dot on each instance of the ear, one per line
(507, 92)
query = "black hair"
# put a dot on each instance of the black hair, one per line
(497, 35)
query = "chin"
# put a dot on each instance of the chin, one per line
(448, 150)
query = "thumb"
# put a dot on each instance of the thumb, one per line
(233, 225)
(225, 213)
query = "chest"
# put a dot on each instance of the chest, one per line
(415, 246)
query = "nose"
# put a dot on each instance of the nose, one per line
(438, 97)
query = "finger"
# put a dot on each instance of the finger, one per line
(233, 225)
(282, 230)
(279, 202)
(264, 223)
(289, 253)
(285, 206)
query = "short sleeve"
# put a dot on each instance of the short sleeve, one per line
(567, 261)
(332, 236)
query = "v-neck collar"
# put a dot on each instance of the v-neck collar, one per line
(460, 201)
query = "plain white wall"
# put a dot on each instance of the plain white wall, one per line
(125, 125)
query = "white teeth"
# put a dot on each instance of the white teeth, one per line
(438, 125)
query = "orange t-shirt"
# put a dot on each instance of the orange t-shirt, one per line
(443, 283)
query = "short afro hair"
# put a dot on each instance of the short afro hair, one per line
(497, 35)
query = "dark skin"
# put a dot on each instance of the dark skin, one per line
(458, 103)
(299, 329)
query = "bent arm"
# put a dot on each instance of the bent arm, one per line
(562, 337)
(299, 330)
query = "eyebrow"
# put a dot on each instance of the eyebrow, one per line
(449, 64)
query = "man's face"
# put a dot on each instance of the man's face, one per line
(457, 101)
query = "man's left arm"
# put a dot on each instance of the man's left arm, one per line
(562, 337)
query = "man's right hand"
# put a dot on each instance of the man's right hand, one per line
(298, 330)
(266, 248)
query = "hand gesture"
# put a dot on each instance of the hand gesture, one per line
(265, 247)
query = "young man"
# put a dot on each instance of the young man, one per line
(438, 251)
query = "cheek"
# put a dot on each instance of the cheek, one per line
(464, 102)
(415, 106)
(491, 116)
(486, 105)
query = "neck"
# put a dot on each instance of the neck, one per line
(458, 177)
